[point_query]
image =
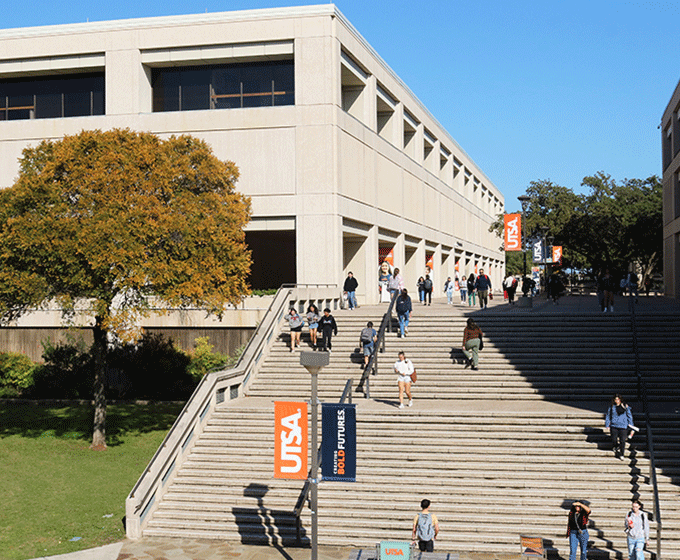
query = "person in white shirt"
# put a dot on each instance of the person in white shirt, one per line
(637, 531)
(404, 368)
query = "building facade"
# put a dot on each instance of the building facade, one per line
(344, 165)
(670, 139)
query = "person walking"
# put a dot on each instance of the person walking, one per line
(632, 283)
(404, 310)
(472, 340)
(328, 327)
(483, 286)
(609, 286)
(421, 290)
(510, 286)
(395, 284)
(295, 323)
(425, 527)
(427, 285)
(463, 289)
(404, 368)
(313, 322)
(636, 527)
(577, 530)
(471, 290)
(367, 339)
(619, 420)
(350, 288)
(449, 288)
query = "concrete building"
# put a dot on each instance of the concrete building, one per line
(670, 139)
(343, 163)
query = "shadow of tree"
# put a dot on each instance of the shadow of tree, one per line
(35, 419)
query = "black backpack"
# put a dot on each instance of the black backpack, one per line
(428, 284)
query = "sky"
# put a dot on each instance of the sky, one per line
(530, 90)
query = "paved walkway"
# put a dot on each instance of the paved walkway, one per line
(202, 549)
(205, 549)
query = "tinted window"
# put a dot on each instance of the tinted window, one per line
(50, 97)
(224, 86)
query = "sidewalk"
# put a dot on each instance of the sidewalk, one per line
(207, 549)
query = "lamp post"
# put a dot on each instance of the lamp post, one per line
(313, 362)
(524, 199)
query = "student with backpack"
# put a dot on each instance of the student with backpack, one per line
(637, 531)
(425, 527)
(367, 338)
(427, 286)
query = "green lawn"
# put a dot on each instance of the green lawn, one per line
(55, 489)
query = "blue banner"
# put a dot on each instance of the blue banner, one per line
(339, 442)
(538, 250)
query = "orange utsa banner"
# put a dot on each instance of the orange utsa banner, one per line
(557, 254)
(513, 232)
(290, 440)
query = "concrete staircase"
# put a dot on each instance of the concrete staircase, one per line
(492, 449)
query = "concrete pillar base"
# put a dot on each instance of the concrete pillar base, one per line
(525, 301)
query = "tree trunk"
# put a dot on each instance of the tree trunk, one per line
(99, 351)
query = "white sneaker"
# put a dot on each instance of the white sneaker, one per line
(401, 405)
(410, 403)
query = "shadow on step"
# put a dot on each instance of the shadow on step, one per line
(261, 525)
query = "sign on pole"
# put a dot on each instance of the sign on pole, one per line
(538, 250)
(513, 232)
(290, 440)
(392, 550)
(557, 254)
(339, 442)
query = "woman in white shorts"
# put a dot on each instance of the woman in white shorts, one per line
(404, 368)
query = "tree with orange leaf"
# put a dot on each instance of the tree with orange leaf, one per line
(120, 221)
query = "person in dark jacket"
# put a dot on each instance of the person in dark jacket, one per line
(471, 289)
(619, 420)
(577, 530)
(327, 326)
(483, 286)
(427, 285)
(350, 288)
(404, 309)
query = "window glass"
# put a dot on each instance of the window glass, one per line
(52, 97)
(224, 86)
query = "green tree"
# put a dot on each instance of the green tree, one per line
(121, 221)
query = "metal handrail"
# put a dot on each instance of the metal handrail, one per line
(642, 395)
(372, 365)
(304, 493)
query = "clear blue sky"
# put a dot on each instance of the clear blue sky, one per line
(529, 89)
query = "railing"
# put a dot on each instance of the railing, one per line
(372, 365)
(642, 396)
(214, 388)
(304, 493)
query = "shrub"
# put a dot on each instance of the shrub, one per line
(204, 359)
(16, 374)
(67, 372)
(150, 369)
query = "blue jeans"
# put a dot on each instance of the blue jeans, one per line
(403, 322)
(352, 299)
(574, 540)
(636, 549)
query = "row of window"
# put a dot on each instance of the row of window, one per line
(51, 97)
(224, 86)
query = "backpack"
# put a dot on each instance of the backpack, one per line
(425, 527)
(366, 335)
(428, 284)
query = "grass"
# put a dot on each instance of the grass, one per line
(55, 489)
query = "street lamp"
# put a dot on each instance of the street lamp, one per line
(524, 199)
(313, 362)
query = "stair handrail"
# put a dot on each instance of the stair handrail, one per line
(304, 493)
(642, 395)
(372, 365)
(210, 391)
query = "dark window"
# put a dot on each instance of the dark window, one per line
(223, 86)
(75, 95)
